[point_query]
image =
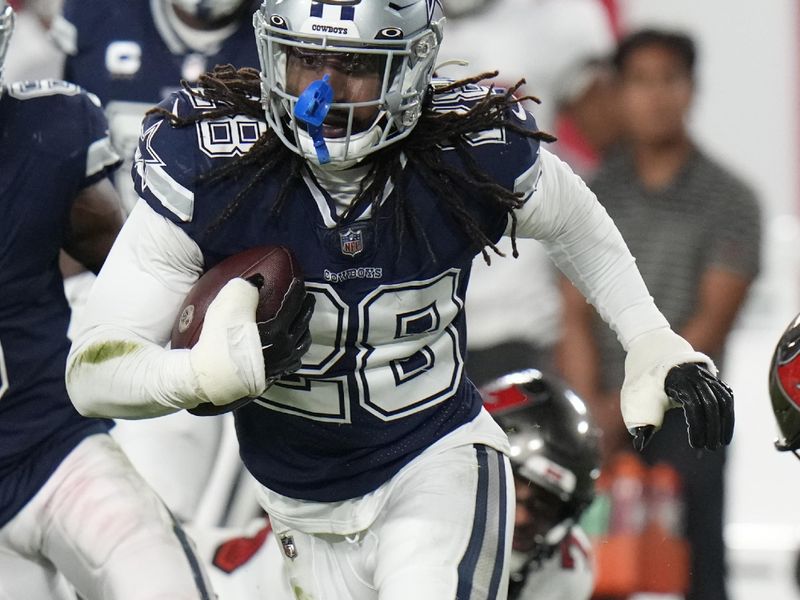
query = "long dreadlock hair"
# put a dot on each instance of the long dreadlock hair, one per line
(237, 91)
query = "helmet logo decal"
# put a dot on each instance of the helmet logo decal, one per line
(432, 6)
(789, 376)
(347, 8)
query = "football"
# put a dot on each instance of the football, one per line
(276, 266)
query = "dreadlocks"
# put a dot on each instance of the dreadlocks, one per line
(237, 91)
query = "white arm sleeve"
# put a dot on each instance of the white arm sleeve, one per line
(118, 365)
(582, 240)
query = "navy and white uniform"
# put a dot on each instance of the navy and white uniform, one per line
(46, 162)
(71, 506)
(133, 54)
(379, 443)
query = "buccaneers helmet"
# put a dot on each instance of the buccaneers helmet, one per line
(555, 448)
(395, 40)
(784, 387)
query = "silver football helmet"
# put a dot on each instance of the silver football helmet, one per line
(209, 10)
(6, 29)
(337, 46)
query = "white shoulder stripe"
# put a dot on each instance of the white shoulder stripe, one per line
(100, 155)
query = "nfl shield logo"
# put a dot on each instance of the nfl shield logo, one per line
(289, 549)
(351, 242)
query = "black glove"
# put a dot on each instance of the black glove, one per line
(707, 404)
(285, 337)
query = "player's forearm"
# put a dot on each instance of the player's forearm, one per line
(111, 373)
(587, 247)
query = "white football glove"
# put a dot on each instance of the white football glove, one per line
(227, 358)
(663, 371)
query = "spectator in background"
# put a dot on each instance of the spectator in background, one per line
(694, 229)
(513, 306)
(132, 55)
(587, 124)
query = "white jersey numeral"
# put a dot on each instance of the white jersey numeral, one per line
(408, 356)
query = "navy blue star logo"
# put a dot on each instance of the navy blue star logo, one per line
(145, 155)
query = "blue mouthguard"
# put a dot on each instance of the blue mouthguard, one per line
(311, 109)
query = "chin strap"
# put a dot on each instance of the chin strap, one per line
(311, 109)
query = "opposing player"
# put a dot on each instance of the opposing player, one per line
(71, 506)
(382, 474)
(555, 458)
(133, 55)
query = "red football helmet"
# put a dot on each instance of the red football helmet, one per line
(784, 387)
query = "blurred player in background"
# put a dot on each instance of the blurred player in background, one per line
(32, 55)
(132, 55)
(72, 508)
(694, 229)
(381, 472)
(514, 305)
(555, 456)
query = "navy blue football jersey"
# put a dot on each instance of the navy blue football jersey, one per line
(384, 377)
(128, 54)
(53, 143)
(128, 50)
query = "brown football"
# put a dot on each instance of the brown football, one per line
(278, 267)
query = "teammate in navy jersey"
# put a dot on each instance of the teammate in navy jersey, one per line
(555, 457)
(382, 474)
(133, 54)
(73, 512)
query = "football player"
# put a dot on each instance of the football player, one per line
(555, 458)
(381, 472)
(72, 508)
(132, 55)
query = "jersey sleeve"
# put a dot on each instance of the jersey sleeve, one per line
(101, 158)
(165, 168)
(585, 244)
(118, 364)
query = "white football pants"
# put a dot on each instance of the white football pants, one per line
(96, 522)
(444, 534)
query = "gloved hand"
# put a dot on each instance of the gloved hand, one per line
(227, 358)
(663, 371)
(285, 337)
